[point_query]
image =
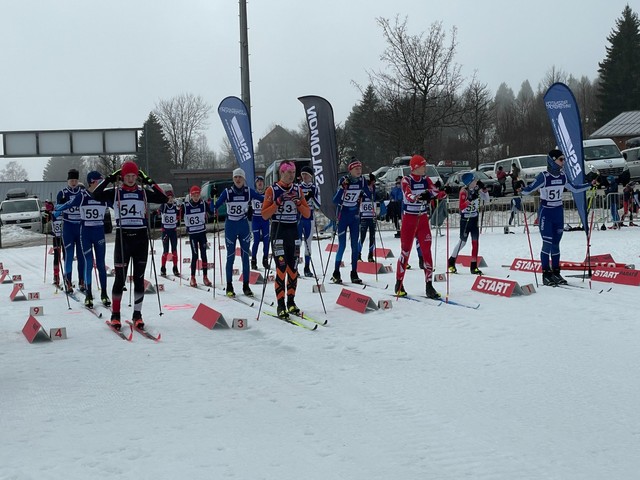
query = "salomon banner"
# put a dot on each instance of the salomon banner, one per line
(563, 112)
(324, 150)
(235, 119)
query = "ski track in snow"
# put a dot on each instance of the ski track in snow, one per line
(534, 387)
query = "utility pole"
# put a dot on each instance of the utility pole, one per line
(244, 57)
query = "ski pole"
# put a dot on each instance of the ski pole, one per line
(526, 227)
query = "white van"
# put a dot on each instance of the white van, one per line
(604, 156)
(632, 156)
(530, 166)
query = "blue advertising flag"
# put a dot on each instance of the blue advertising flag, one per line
(324, 150)
(564, 114)
(235, 119)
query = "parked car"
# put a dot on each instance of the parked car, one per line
(485, 167)
(454, 182)
(529, 165)
(386, 182)
(603, 156)
(23, 212)
(633, 162)
(402, 161)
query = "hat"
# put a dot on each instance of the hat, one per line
(354, 163)
(551, 160)
(73, 174)
(611, 178)
(259, 177)
(467, 178)
(416, 162)
(93, 176)
(169, 193)
(129, 167)
(307, 169)
(195, 189)
(238, 172)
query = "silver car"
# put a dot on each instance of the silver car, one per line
(633, 162)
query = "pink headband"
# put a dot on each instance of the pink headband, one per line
(287, 167)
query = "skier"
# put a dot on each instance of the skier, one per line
(516, 202)
(132, 232)
(71, 231)
(613, 197)
(394, 209)
(347, 197)
(259, 228)
(92, 238)
(56, 231)
(170, 214)
(551, 214)
(284, 203)
(195, 220)
(236, 226)
(469, 205)
(368, 221)
(417, 191)
(305, 226)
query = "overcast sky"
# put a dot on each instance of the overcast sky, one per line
(105, 64)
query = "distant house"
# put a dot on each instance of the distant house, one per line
(276, 144)
(622, 128)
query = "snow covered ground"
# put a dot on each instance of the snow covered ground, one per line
(537, 387)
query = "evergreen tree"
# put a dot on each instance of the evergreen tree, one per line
(619, 88)
(154, 155)
(57, 168)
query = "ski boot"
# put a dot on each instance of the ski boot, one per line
(176, 272)
(193, 282)
(229, 291)
(308, 272)
(246, 290)
(559, 279)
(81, 286)
(137, 320)
(163, 271)
(282, 310)
(399, 289)
(371, 258)
(431, 292)
(115, 320)
(56, 281)
(206, 281)
(548, 278)
(88, 299)
(68, 287)
(265, 263)
(506, 230)
(355, 278)
(452, 265)
(474, 268)
(105, 299)
(292, 308)
(359, 257)
(254, 263)
(336, 278)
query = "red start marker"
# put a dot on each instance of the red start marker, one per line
(383, 253)
(254, 277)
(501, 287)
(332, 247)
(17, 293)
(32, 330)
(621, 276)
(465, 261)
(371, 268)
(528, 265)
(4, 276)
(356, 301)
(605, 257)
(148, 287)
(209, 317)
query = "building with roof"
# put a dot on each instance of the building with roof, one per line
(622, 129)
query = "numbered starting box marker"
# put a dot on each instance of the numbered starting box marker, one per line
(161, 287)
(186, 260)
(318, 287)
(17, 293)
(235, 271)
(33, 295)
(33, 330)
(388, 268)
(209, 317)
(16, 278)
(240, 324)
(152, 251)
(58, 333)
(439, 277)
(385, 304)
(36, 311)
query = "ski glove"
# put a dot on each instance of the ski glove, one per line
(144, 178)
(425, 196)
(113, 177)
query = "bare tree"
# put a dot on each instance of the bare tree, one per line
(477, 116)
(420, 70)
(182, 119)
(552, 76)
(13, 172)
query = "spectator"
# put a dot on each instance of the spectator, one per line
(501, 175)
